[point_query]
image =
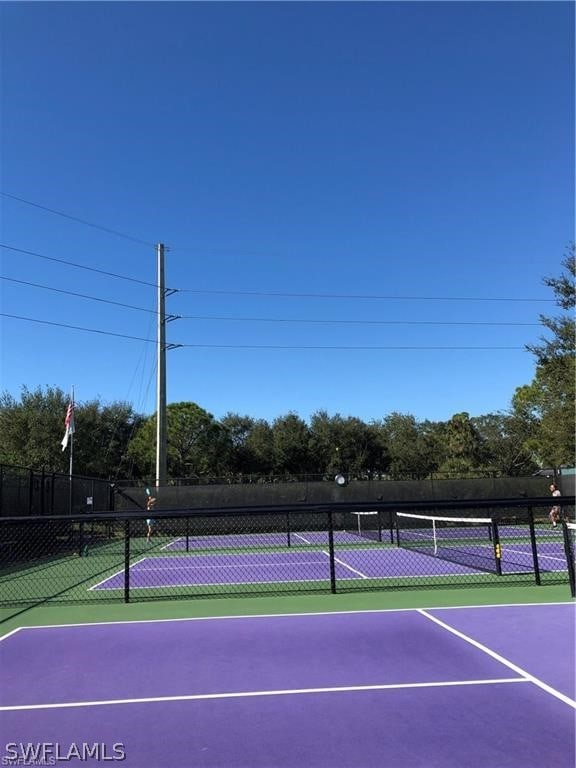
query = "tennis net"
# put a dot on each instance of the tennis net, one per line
(474, 542)
(374, 525)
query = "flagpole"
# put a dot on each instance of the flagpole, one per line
(71, 464)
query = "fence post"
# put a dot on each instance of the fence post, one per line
(534, 546)
(331, 552)
(127, 561)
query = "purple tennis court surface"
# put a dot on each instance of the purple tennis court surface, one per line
(198, 569)
(482, 686)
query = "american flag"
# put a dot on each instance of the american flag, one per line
(69, 424)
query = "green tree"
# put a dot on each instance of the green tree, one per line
(260, 446)
(242, 458)
(505, 444)
(326, 444)
(462, 445)
(31, 430)
(31, 433)
(409, 446)
(339, 444)
(197, 445)
(549, 400)
(290, 438)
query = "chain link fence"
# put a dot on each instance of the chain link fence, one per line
(294, 549)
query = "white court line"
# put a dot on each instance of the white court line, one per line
(528, 554)
(304, 539)
(192, 567)
(501, 659)
(12, 632)
(171, 543)
(254, 694)
(337, 560)
(94, 586)
(297, 614)
(163, 585)
(379, 579)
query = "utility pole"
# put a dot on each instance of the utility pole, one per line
(162, 347)
(161, 381)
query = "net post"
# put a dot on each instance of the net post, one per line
(534, 546)
(497, 547)
(126, 561)
(187, 534)
(396, 526)
(288, 536)
(331, 553)
(569, 550)
(379, 525)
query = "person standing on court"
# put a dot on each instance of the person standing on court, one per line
(555, 511)
(150, 503)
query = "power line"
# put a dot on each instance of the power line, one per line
(356, 296)
(78, 295)
(351, 322)
(351, 347)
(76, 327)
(76, 219)
(79, 266)
(257, 346)
(303, 321)
(249, 293)
(272, 294)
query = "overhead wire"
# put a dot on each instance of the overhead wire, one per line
(283, 294)
(282, 320)
(77, 295)
(79, 266)
(78, 220)
(255, 346)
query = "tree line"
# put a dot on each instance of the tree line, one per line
(114, 442)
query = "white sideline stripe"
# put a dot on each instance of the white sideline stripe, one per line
(171, 543)
(192, 567)
(169, 585)
(304, 539)
(235, 616)
(12, 632)
(502, 660)
(528, 554)
(254, 694)
(95, 586)
(337, 560)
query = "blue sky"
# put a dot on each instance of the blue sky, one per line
(374, 181)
